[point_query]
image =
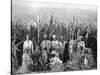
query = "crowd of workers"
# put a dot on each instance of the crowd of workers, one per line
(51, 54)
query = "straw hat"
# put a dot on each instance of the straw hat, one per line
(45, 35)
(55, 53)
(54, 36)
(61, 37)
(80, 37)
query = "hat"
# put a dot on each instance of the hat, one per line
(61, 37)
(45, 35)
(54, 36)
(55, 53)
(80, 37)
(27, 36)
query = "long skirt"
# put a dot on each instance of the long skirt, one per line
(26, 61)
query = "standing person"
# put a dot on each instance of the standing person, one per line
(71, 43)
(46, 44)
(28, 45)
(62, 42)
(81, 43)
(62, 46)
(26, 62)
(80, 47)
(54, 42)
(87, 37)
(78, 33)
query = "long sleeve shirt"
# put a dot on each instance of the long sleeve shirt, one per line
(46, 44)
(28, 44)
(55, 43)
(82, 43)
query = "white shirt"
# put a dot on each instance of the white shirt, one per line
(81, 43)
(44, 54)
(55, 43)
(86, 61)
(28, 44)
(62, 44)
(71, 46)
(46, 43)
(55, 60)
(71, 42)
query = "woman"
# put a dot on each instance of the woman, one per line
(28, 45)
(26, 62)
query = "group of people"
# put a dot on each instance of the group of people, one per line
(55, 52)
(51, 50)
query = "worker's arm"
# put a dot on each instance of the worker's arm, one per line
(42, 44)
(84, 44)
(24, 47)
(32, 47)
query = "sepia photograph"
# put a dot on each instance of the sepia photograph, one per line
(52, 37)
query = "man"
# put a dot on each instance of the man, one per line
(62, 46)
(71, 43)
(78, 33)
(28, 45)
(87, 36)
(81, 43)
(62, 42)
(54, 42)
(46, 43)
(55, 62)
(80, 47)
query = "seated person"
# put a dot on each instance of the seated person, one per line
(55, 62)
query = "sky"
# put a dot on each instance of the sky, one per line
(26, 8)
(53, 5)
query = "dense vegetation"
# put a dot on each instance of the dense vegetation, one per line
(38, 27)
